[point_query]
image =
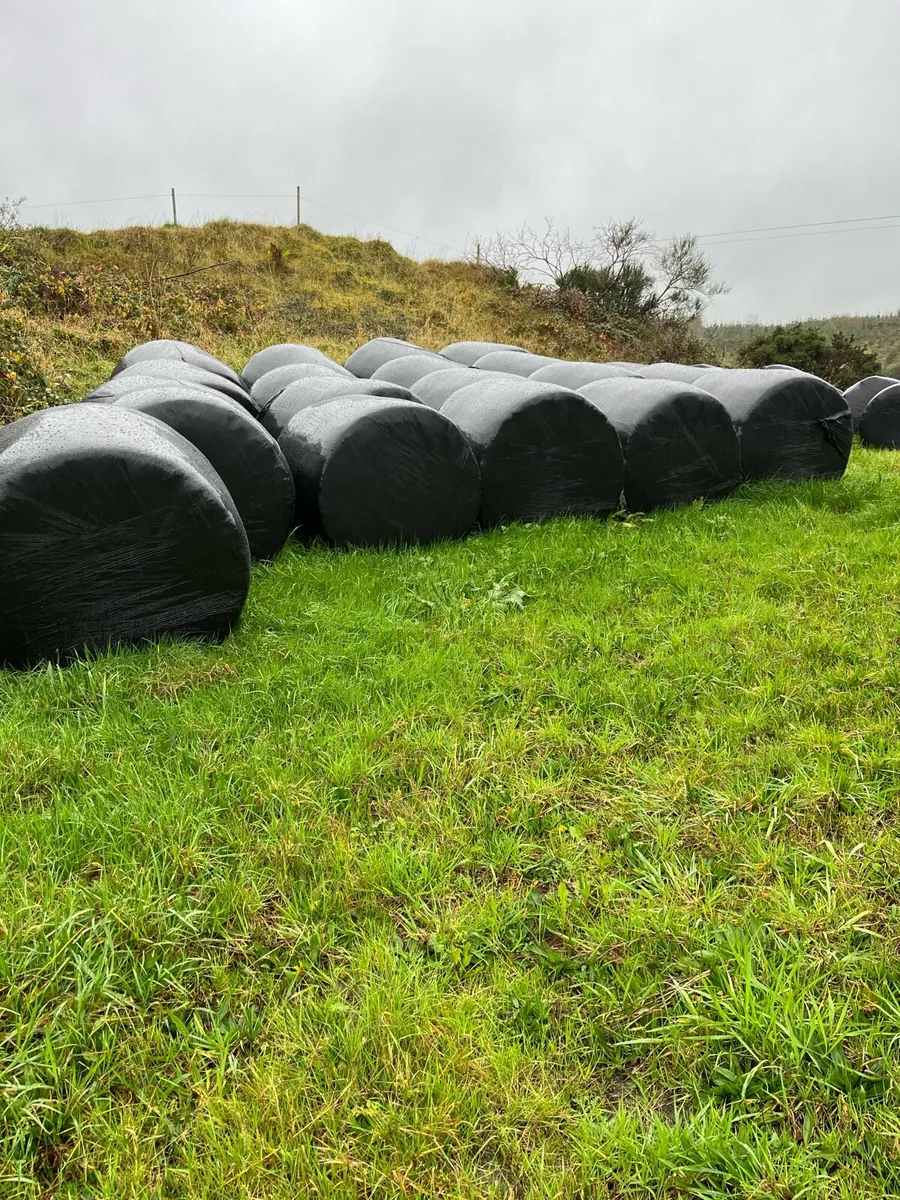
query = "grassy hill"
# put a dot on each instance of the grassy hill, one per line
(558, 862)
(880, 333)
(72, 303)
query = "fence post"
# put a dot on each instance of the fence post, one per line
(174, 209)
(298, 205)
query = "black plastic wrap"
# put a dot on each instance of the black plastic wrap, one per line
(544, 451)
(678, 372)
(861, 393)
(181, 372)
(268, 386)
(407, 371)
(467, 354)
(306, 393)
(113, 530)
(166, 350)
(514, 362)
(679, 443)
(375, 471)
(880, 423)
(790, 425)
(436, 389)
(280, 356)
(364, 362)
(246, 458)
(575, 375)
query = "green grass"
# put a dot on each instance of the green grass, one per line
(407, 890)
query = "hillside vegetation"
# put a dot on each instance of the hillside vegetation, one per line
(72, 303)
(881, 334)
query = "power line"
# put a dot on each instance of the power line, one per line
(812, 233)
(802, 225)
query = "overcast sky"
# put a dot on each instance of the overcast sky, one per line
(452, 119)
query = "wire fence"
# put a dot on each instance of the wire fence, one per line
(291, 208)
(281, 208)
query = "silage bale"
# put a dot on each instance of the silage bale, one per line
(679, 443)
(280, 356)
(435, 389)
(375, 471)
(246, 458)
(268, 386)
(879, 425)
(791, 425)
(407, 371)
(861, 393)
(182, 372)
(544, 451)
(113, 530)
(679, 372)
(575, 375)
(128, 383)
(514, 362)
(364, 362)
(164, 349)
(305, 393)
(467, 354)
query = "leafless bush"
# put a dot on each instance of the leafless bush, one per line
(624, 271)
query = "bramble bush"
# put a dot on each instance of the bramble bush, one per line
(841, 359)
(23, 387)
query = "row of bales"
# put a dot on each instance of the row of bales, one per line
(136, 514)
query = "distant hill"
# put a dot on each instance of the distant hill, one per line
(880, 333)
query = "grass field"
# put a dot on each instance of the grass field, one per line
(560, 862)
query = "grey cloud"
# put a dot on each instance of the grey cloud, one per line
(452, 119)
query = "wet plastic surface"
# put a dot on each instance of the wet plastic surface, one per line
(182, 372)
(679, 443)
(861, 393)
(306, 393)
(514, 362)
(544, 451)
(435, 389)
(575, 375)
(113, 530)
(364, 362)
(678, 372)
(244, 455)
(166, 350)
(467, 354)
(375, 471)
(407, 371)
(269, 385)
(280, 356)
(790, 425)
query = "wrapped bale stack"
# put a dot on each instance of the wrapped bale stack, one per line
(136, 515)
